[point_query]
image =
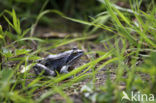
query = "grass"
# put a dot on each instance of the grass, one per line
(133, 32)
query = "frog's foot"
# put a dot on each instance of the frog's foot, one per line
(38, 68)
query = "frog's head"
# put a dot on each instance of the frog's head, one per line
(74, 55)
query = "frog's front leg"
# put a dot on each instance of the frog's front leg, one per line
(64, 70)
(38, 68)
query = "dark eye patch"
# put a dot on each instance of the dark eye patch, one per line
(74, 48)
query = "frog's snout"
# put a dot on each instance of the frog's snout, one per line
(80, 51)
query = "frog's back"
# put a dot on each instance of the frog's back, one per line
(55, 62)
(59, 56)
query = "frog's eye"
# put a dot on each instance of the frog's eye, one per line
(74, 48)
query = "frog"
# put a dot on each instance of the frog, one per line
(59, 63)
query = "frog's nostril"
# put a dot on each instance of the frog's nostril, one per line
(80, 51)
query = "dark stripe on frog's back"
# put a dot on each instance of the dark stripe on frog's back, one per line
(56, 64)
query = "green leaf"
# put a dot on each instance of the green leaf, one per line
(6, 52)
(21, 51)
(8, 21)
(1, 30)
(26, 68)
(1, 37)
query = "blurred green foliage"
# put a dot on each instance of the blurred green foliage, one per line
(75, 8)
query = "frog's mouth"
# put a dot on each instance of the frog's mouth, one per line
(74, 57)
